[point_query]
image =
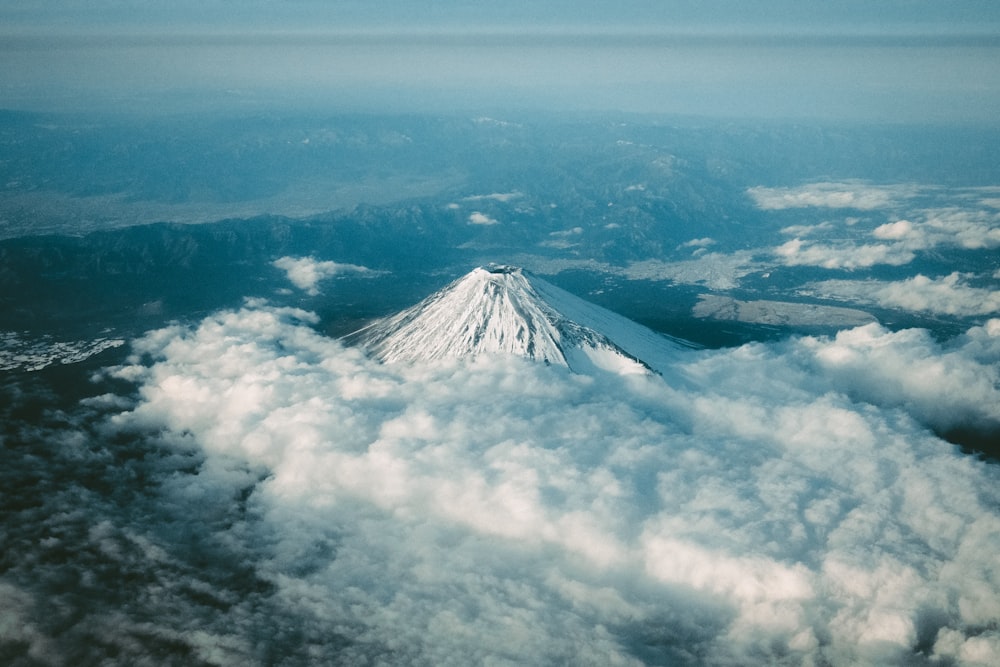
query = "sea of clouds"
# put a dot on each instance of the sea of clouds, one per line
(248, 491)
(295, 502)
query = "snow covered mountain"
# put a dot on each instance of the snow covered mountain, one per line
(504, 310)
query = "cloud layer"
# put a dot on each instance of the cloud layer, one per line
(787, 506)
(949, 295)
(970, 222)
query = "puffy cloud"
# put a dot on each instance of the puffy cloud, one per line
(966, 228)
(947, 295)
(270, 496)
(895, 243)
(306, 272)
(786, 506)
(944, 386)
(981, 650)
(894, 230)
(971, 229)
(797, 252)
(850, 194)
(480, 218)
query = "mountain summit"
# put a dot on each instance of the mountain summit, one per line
(505, 310)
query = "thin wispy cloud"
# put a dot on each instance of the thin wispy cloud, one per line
(502, 197)
(853, 195)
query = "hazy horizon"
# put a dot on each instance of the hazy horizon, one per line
(898, 62)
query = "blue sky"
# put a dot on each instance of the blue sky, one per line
(886, 61)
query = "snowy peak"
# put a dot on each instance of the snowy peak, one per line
(490, 310)
(504, 310)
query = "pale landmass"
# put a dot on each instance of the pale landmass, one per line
(784, 313)
(50, 212)
(713, 270)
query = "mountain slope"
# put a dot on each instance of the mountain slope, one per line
(503, 310)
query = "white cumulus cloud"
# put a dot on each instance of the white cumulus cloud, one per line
(895, 231)
(947, 295)
(797, 252)
(946, 386)
(900, 225)
(892, 243)
(970, 229)
(307, 272)
(964, 228)
(787, 506)
(480, 218)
